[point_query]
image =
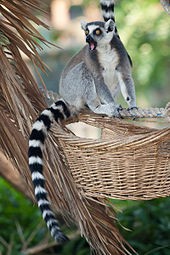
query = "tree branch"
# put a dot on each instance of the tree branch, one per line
(11, 174)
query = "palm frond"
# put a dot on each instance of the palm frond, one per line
(20, 98)
(18, 35)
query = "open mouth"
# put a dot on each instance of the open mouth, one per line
(92, 45)
(91, 42)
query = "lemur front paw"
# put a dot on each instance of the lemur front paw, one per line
(117, 111)
(119, 108)
(132, 108)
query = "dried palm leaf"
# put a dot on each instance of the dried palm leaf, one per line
(20, 101)
(18, 89)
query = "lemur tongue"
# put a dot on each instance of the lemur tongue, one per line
(92, 46)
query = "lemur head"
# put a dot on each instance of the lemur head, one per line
(98, 33)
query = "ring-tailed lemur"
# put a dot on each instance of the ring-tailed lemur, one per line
(101, 68)
(91, 79)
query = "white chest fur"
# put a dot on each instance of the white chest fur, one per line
(108, 60)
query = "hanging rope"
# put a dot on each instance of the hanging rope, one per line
(147, 113)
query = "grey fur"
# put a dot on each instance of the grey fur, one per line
(87, 79)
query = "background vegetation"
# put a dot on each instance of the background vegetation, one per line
(144, 29)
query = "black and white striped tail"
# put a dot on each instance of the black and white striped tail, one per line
(58, 111)
(107, 7)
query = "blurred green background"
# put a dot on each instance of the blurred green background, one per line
(145, 30)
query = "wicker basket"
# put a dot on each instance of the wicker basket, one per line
(127, 162)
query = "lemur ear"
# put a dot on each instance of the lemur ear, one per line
(83, 24)
(109, 25)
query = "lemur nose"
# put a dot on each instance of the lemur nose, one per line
(89, 39)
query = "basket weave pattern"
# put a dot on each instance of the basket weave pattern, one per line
(127, 162)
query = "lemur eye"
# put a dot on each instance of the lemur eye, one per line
(98, 32)
(86, 32)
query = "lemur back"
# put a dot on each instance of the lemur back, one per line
(91, 79)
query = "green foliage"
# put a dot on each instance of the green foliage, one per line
(146, 225)
(77, 247)
(19, 219)
(22, 227)
(87, 2)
